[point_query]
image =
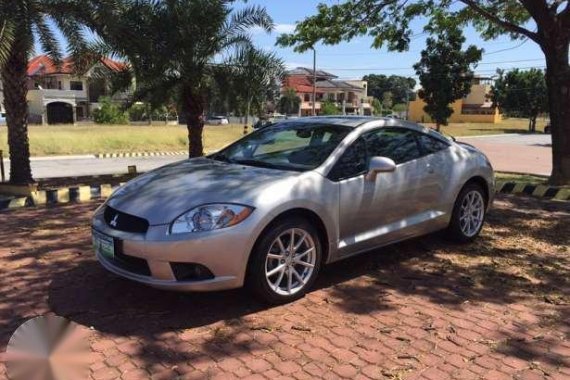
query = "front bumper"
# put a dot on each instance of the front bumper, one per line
(224, 253)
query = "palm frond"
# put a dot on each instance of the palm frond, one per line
(47, 38)
(247, 18)
(6, 40)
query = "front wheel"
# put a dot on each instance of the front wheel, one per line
(468, 214)
(285, 262)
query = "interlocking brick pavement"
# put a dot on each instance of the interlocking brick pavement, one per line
(423, 309)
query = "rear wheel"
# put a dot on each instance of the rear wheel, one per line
(285, 262)
(468, 214)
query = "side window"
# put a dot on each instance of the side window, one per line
(352, 162)
(398, 144)
(431, 145)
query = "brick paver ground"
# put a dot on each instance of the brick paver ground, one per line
(424, 309)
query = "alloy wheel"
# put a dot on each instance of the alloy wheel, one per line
(290, 261)
(472, 213)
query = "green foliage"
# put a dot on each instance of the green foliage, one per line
(109, 113)
(521, 94)
(289, 102)
(390, 22)
(253, 74)
(400, 107)
(377, 106)
(173, 45)
(399, 86)
(445, 72)
(387, 100)
(329, 108)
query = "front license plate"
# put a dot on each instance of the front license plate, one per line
(103, 244)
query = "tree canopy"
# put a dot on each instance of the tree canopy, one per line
(399, 86)
(445, 72)
(521, 93)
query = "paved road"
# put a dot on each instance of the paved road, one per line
(80, 166)
(516, 153)
(513, 153)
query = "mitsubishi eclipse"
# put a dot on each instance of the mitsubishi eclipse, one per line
(271, 209)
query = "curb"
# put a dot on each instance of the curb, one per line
(138, 154)
(87, 193)
(540, 191)
(58, 196)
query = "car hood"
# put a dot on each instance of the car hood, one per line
(163, 194)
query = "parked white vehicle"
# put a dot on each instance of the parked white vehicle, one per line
(217, 120)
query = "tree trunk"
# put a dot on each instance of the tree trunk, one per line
(558, 83)
(195, 124)
(14, 79)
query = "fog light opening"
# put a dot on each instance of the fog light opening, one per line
(191, 272)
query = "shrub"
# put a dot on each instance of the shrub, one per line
(109, 113)
(329, 108)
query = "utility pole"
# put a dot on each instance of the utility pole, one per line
(314, 80)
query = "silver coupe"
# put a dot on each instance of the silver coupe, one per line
(272, 208)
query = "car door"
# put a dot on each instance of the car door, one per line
(438, 159)
(373, 213)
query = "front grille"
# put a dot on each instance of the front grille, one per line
(122, 221)
(129, 263)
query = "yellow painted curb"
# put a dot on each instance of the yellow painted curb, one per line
(84, 193)
(39, 197)
(562, 195)
(17, 203)
(106, 190)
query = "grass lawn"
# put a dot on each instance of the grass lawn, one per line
(510, 125)
(526, 178)
(88, 139)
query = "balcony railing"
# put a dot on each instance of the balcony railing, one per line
(61, 94)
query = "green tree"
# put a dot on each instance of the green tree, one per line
(389, 22)
(172, 47)
(387, 100)
(521, 94)
(329, 108)
(110, 113)
(21, 24)
(289, 102)
(254, 74)
(398, 85)
(377, 106)
(445, 72)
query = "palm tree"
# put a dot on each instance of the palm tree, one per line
(289, 102)
(20, 22)
(174, 49)
(255, 73)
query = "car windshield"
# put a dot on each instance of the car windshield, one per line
(290, 146)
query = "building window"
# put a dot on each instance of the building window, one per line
(76, 85)
(307, 98)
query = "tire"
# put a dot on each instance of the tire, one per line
(460, 229)
(266, 258)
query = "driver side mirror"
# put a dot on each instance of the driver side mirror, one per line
(379, 165)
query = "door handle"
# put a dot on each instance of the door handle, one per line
(430, 169)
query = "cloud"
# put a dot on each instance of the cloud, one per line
(284, 28)
(279, 29)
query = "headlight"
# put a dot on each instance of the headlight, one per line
(210, 217)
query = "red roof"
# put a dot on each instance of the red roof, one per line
(299, 83)
(43, 65)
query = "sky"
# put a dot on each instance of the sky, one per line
(354, 59)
